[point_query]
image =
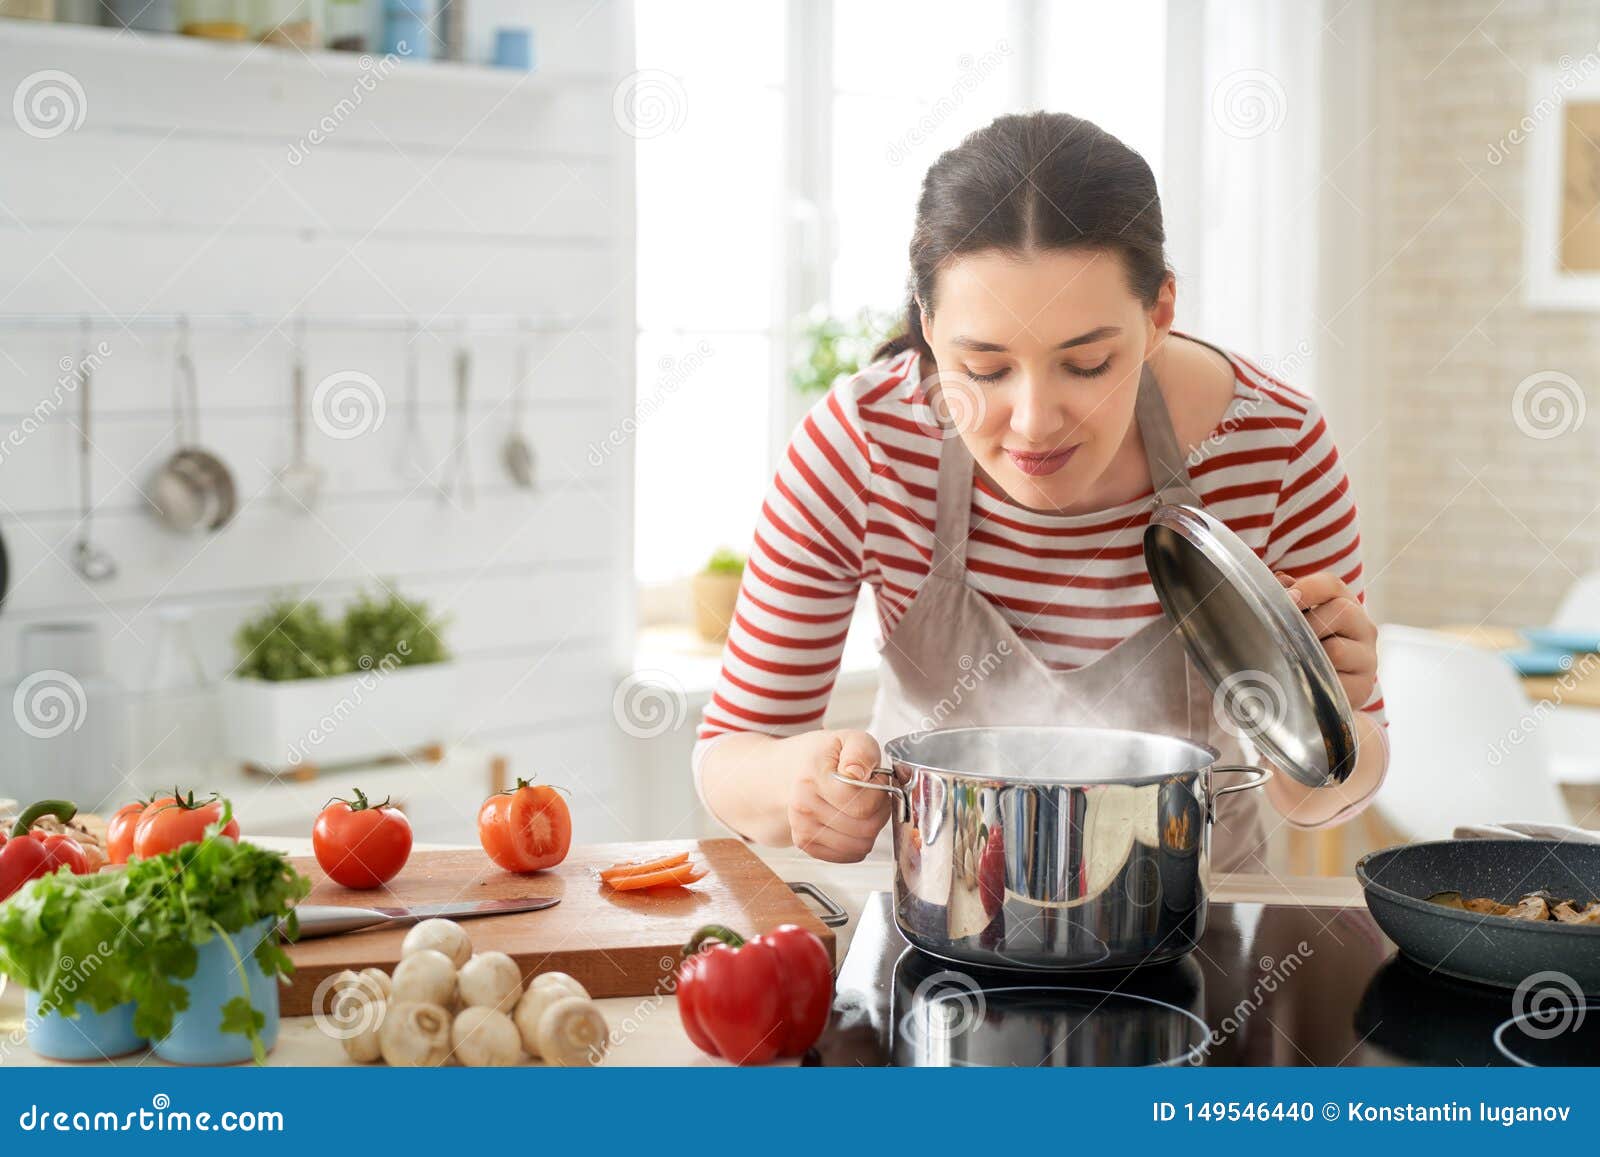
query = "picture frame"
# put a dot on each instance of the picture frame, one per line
(1560, 136)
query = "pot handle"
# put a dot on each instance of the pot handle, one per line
(833, 914)
(1258, 778)
(891, 787)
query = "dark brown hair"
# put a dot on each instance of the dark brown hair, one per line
(1034, 181)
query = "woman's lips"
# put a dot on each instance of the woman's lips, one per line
(1039, 464)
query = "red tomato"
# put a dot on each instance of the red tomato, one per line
(168, 822)
(119, 832)
(525, 829)
(361, 844)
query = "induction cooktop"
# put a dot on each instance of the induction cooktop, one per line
(1269, 984)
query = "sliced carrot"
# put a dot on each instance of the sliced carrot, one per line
(637, 867)
(680, 875)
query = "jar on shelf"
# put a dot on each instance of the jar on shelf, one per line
(349, 25)
(29, 9)
(213, 19)
(143, 15)
(288, 23)
(408, 28)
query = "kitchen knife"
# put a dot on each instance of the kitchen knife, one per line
(332, 920)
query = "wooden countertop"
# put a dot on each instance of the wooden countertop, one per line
(648, 1026)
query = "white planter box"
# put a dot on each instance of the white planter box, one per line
(351, 718)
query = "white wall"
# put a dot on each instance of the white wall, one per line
(442, 193)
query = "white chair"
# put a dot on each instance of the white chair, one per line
(1580, 606)
(1466, 745)
(1572, 734)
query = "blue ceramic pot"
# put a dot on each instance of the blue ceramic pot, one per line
(90, 1036)
(197, 1037)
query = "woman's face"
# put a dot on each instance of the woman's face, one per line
(1039, 357)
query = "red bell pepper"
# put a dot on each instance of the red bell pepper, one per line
(751, 1001)
(23, 858)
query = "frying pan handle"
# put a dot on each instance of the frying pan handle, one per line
(1258, 778)
(892, 787)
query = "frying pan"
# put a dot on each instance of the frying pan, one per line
(1489, 949)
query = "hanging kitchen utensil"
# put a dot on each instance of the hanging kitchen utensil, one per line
(458, 486)
(88, 560)
(516, 452)
(300, 480)
(415, 467)
(193, 489)
(1250, 642)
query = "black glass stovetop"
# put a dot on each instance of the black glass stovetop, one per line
(1268, 985)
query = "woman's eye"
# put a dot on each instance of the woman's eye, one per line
(1091, 372)
(994, 376)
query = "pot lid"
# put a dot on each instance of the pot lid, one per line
(1271, 679)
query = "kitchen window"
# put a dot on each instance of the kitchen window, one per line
(838, 110)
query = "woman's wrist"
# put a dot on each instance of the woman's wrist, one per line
(1315, 807)
(745, 781)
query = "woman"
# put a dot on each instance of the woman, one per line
(990, 476)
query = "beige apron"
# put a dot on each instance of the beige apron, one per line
(953, 661)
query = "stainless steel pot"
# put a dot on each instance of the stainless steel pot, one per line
(1052, 847)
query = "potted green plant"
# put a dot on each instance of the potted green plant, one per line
(179, 949)
(826, 347)
(715, 590)
(309, 689)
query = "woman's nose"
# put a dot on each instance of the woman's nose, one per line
(1035, 414)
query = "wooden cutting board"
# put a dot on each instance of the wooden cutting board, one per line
(615, 943)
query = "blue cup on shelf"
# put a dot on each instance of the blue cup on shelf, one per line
(197, 1037)
(513, 48)
(86, 1036)
(407, 29)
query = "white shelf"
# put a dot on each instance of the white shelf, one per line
(45, 35)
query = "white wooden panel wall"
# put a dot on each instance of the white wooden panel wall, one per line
(445, 194)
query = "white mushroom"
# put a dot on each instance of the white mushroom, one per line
(543, 991)
(362, 1045)
(376, 979)
(491, 980)
(415, 1035)
(484, 1038)
(424, 977)
(573, 1032)
(441, 936)
(368, 984)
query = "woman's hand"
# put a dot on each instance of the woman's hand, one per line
(828, 819)
(1348, 634)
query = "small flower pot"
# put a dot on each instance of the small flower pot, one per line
(714, 599)
(86, 1036)
(197, 1037)
(359, 717)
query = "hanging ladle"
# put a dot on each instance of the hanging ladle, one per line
(93, 563)
(301, 479)
(516, 452)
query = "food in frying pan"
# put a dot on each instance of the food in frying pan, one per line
(1539, 905)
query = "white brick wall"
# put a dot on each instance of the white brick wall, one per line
(1485, 524)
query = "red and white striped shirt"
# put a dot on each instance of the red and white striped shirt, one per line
(853, 503)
